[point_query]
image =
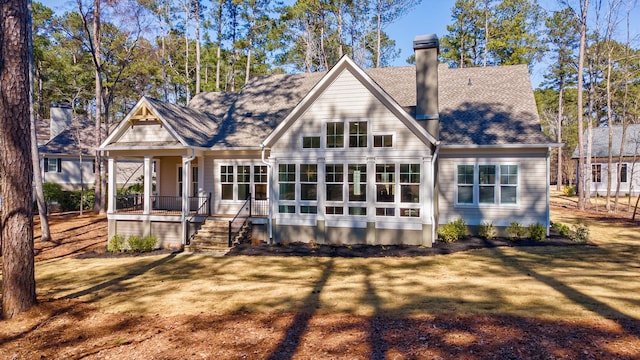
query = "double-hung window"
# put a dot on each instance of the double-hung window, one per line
(194, 180)
(226, 179)
(623, 173)
(596, 173)
(466, 175)
(52, 165)
(508, 184)
(487, 184)
(287, 187)
(244, 181)
(334, 182)
(357, 179)
(309, 182)
(260, 182)
(487, 188)
(385, 189)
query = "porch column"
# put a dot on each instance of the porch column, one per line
(147, 184)
(186, 184)
(111, 190)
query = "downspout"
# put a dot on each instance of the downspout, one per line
(185, 196)
(270, 197)
(548, 191)
(434, 204)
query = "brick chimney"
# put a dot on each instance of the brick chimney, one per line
(426, 50)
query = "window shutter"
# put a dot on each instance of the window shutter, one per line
(46, 164)
(59, 164)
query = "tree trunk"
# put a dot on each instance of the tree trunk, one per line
(583, 40)
(610, 124)
(197, 15)
(35, 160)
(559, 136)
(378, 33)
(97, 206)
(18, 280)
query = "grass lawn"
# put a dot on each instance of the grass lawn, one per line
(596, 283)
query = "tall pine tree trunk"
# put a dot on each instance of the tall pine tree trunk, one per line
(97, 206)
(16, 228)
(584, 4)
(559, 136)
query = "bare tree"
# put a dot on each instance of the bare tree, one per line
(16, 229)
(584, 5)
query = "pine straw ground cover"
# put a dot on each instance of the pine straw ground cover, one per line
(578, 302)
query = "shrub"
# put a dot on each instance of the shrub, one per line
(447, 233)
(52, 192)
(487, 230)
(142, 244)
(537, 232)
(452, 231)
(515, 231)
(562, 229)
(580, 232)
(460, 226)
(569, 190)
(116, 243)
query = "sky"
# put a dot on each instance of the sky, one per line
(429, 17)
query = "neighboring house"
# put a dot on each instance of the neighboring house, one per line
(629, 168)
(380, 156)
(66, 144)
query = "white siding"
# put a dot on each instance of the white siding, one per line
(146, 132)
(532, 189)
(69, 176)
(625, 187)
(347, 99)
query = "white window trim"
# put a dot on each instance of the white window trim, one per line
(476, 186)
(319, 135)
(393, 140)
(235, 164)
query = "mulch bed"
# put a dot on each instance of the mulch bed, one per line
(357, 251)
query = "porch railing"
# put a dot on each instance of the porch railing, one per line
(160, 204)
(205, 208)
(239, 220)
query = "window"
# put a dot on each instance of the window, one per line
(382, 141)
(596, 173)
(410, 183)
(487, 188)
(385, 183)
(465, 184)
(260, 182)
(385, 211)
(334, 210)
(244, 181)
(311, 142)
(226, 179)
(308, 209)
(334, 179)
(287, 209)
(357, 178)
(623, 173)
(358, 134)
(508, 184)
(308, 182)
(52, 165)
(494, 184)
(287, 180)
(335, 135)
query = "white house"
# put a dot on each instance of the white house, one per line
(379, 156)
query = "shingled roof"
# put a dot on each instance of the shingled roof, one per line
(600, 144)
(492, 106)
(78, 136)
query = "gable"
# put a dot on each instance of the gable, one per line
(145, 127)
(142, 127)
(348, 81)
(346, 99)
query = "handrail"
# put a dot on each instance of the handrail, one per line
(190, 218)
(232, 233)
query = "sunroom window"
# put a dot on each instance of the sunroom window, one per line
(287, 180)
(410, 183)
(335, 135)
(358, 134)
(308, 182)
